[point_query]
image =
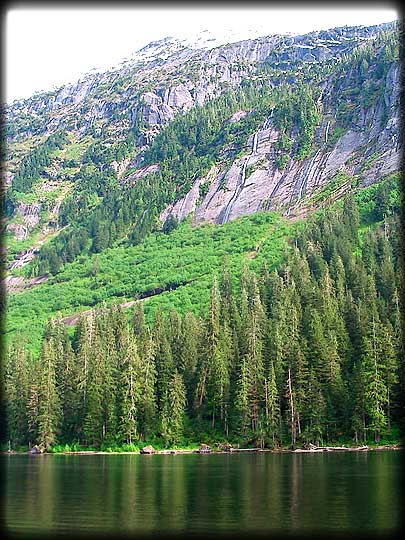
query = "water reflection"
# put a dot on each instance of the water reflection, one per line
(168, 493)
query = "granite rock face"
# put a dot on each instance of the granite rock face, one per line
(178, 97)
(365, 153)
(167, 78)
(153, 110)
(29, 214)
(143, 84)
(268, 188)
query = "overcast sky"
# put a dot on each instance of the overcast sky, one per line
(46, 48)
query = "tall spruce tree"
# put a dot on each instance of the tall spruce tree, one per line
(131, 391)
(272, 407)
(93, 424)
(375, 390)
(147, 409)
(16, 391)
(49, 406)
(172, 418)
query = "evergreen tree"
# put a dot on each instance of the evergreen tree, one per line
(109, 319)
(255, 361)
(147, 412)
(191, 331)
(83, 344)
(16, 390)
(138, 319)
(172, 419)
(218, 352)
(272, 407)
(67, 385)
(316, 413)
(33, 403)
(375, 390)
(93, 425)
(49, 407)
(241, 403)
(390, 368)
(163, 361)
(175, 338)
(351, 217)
(131, 389)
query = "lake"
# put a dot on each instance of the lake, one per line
(192, 493)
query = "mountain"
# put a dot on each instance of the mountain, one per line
(296, 117)
(186, 128)
(202, 244)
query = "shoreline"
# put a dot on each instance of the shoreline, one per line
(173, 451)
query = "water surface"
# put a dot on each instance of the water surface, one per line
(265, 492)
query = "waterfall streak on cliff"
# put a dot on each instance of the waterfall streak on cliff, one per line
(326, 132)
(254, 150)
(237, 191)
(300, 186)
(242, 180)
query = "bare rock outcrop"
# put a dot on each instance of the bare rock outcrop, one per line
(188, 204)
(27, 217)
(149, 450)
(19, 231)
(265, 187)
(130, 179)
(153, 110)
(178, 97)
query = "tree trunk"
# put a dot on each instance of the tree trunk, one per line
(292, 410)
(388, 410)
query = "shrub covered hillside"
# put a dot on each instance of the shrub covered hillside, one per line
(203, 246)
(307, 352)
(167, 270)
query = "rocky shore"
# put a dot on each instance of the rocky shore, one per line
(221, 449)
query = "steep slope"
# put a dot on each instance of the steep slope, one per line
(241, 302)
(166, 271)
(355, 151)
(220, 132)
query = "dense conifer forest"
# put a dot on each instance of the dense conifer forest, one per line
(306, 353)
(272, 330)
(204, 254)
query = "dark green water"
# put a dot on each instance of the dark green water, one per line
(353, 491)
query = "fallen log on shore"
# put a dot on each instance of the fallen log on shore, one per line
(308, 450)
(246, 449)
(313, 448)
(204, 449)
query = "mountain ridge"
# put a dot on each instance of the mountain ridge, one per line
(198, 42)
(120, 114)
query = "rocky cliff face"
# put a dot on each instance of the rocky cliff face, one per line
(165, 78)
(362, 155)
(168, 78)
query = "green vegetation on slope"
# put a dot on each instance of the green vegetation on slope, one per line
(186, 255)
(32, 166)
(99, 211)
(308, 352)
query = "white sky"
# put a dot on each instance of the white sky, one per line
(46, 48)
